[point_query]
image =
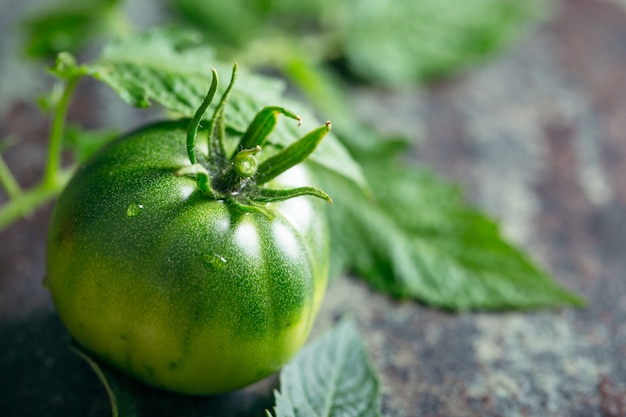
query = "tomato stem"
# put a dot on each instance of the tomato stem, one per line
(238, 172)
(244, 163)
(237, 178)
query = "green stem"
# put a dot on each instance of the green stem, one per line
(28, 201)
(8, 180)
(57, 133)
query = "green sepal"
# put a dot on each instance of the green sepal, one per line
(202, 177)
(292, 155)
(217, 151)
(192, 130)
(248, 206)
(266, 195)
(262, 125)
(204, 185)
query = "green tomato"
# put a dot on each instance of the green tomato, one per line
(185, 292)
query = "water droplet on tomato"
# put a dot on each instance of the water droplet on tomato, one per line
(134, 210)
(216, 261)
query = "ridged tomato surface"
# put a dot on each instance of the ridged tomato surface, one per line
(184, 292)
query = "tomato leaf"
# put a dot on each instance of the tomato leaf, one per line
(118, 387)
(386, 42)
(401, 42)
(69, 25)
(230, 23)
(331, 376)
(172, 67)
(235, 23)
(418, 238)
(167, 66)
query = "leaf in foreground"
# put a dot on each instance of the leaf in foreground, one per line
(418, 238)
(330, 377)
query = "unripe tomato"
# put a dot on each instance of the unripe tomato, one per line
(184, 292)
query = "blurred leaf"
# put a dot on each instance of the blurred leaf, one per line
(417, 238)
(391, 42)
(403, 41)
(66, 26)
(234, 23)
(326, 93)
(230, 23)
(330, 377)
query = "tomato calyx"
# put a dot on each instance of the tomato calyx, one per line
(239, 178)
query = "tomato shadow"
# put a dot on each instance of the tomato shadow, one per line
(40, 375)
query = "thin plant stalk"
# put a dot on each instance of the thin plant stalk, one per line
(8, 181)
(57, 133)
(23, 202)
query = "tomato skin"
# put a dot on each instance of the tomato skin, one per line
(183, 292)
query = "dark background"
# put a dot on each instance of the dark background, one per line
(537, 136)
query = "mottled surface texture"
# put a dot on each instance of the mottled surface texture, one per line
(538, 137)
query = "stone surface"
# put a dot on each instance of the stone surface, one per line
(538, 138)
